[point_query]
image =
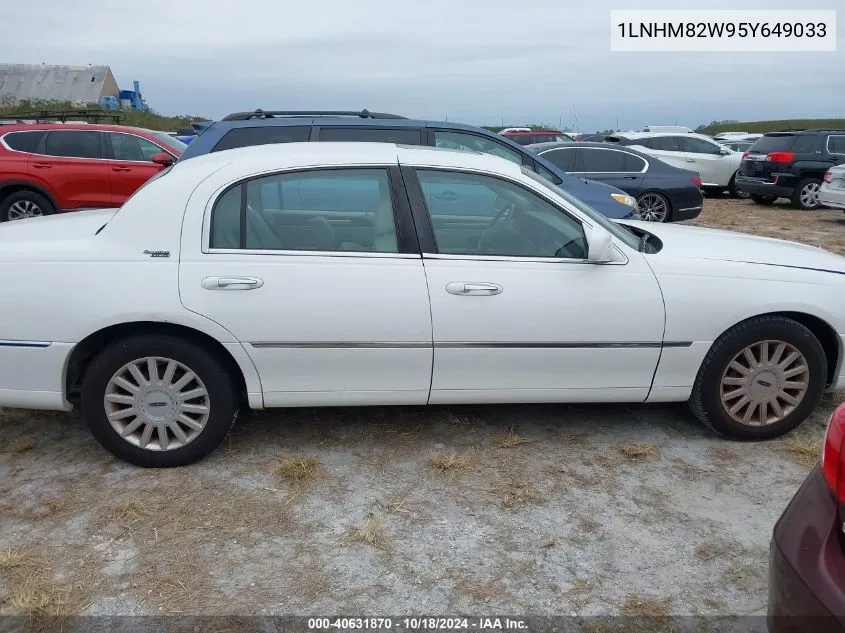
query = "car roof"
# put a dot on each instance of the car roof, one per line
(96, 127)
(280, 156)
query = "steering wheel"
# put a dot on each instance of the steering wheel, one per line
(504, 213)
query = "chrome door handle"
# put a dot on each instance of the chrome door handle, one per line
(690, 160)
(232, 283)
(463, 288)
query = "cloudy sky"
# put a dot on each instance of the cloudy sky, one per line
(476, 61)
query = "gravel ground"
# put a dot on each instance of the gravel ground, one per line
(548, 509)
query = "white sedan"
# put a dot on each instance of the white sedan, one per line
(369, 274)
(832, 191)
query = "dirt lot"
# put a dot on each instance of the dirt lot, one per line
(500, 509)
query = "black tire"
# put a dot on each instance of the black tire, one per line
(706, 400)
(800, 201)
(734, 192)
(659, 198)
(25, 197)
(221, 398)
(758, 199)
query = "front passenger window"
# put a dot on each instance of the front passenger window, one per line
(475, 214)
(319, 210)
(475, 143)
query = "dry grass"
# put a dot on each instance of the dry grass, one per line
(637, 605)
(450, 463)
(689, 471)
(589, 526)
(638, 451)
(28, 578)
(126, 512)
(460, 420)
(724, 454)
(399, 506)
(709, 551)
(516, 493)
(20, 444)
(511, 438)
(313, 585)
(300, 472)
(483, 591)
(371, 532)
(803, 449)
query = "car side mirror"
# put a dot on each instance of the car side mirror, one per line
(724, 151)
(599, 245)
(162, 158)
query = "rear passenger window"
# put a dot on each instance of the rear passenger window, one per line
(634, 163)
(320, 210)
(836, 144)
(372, 135)
(23, 141)
(73, 144)
(602, 160)
(263, 135)
(664, 143)
(805, 144)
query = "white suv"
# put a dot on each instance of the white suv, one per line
(716, 164)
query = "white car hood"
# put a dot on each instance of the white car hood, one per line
(696, 242)
(69, 226)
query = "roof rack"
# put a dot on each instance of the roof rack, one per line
(48, 116)
(270, 114)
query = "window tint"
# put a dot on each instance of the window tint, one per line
(545, 173)
(548, 138)
(263, 135)
(633, 162)
(664, 143)
(321, 210)
(773, 143)
(805, 143)
(130, 147)
(563, 158)
(473, 214)
(836, 144)
(598, 160)
(76, 144)
(23, 141)
(522, 139)
(372, 135)
(475, 143)
(694, 145)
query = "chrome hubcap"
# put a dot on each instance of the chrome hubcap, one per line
(764, 383)
(652, 207)
(24, 209)
(157, 404)
(810, 195)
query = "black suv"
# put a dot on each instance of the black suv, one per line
(790, 164)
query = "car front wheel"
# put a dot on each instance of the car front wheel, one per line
(760, 379)
(158, 401)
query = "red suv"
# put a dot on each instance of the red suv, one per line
(538, 136)
(50, 167)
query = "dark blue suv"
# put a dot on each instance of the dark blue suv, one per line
(260, 127)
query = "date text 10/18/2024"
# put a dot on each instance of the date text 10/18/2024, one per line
(417, 624)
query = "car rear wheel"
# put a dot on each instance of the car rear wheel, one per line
(734, 192)
(25, 204)
(158, 401)
(761, 379)
(758, 199)
(806, 194)
(654, 207)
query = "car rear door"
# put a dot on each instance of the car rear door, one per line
(74, 162)
(318, 274)
(130, 163)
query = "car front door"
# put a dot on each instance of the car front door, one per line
(318, 275)
(518, 313)
(714, 168)
(130, 163)
(74, 164)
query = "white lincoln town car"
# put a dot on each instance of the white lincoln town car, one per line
(311, 274)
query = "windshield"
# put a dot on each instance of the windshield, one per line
(773, 143)
(617, 230)
(173, 143)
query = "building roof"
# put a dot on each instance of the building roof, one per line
(35, 82)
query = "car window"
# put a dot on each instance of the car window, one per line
(547, 174)
(773, 143)
(73, 144)
(634, 162)
(262, 135)
(693, 145)
(373, 135)
(320, 210)
(564, 158)
(602, 160)
(548, 138)
(131, 147)
(522, 139)
(805, 143)
(23, 141)
(475, 214)
(836, 144)
(476, 143)
(663, 143)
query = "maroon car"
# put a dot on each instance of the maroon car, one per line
(807, 553)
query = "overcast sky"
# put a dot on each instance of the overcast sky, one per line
(476, 61)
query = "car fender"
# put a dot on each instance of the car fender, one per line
(37, 184)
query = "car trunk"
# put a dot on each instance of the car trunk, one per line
(757, 162)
